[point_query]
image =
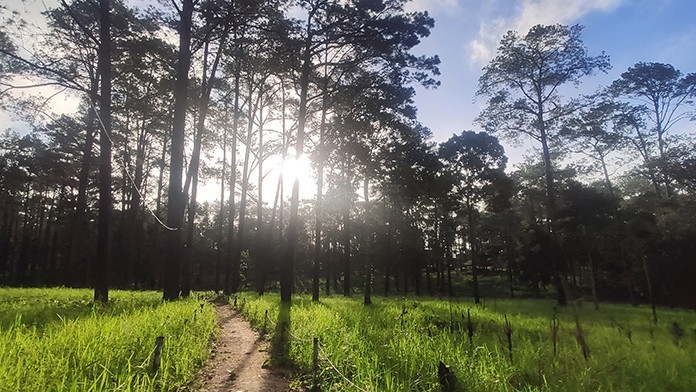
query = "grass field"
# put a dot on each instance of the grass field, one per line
(395, 344)
(58, 340)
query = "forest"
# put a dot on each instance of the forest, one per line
(275, 146)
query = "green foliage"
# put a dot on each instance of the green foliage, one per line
(59, 340)
(522, 81)
(396, 343)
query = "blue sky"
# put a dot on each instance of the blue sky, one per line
(467, 32)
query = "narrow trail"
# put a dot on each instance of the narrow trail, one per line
(238, 360)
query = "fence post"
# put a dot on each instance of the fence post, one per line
(508, 333)
(157, 355)
(315, 366)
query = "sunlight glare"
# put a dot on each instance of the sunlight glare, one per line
(297, 169)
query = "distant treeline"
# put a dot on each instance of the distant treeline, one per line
(218, 92)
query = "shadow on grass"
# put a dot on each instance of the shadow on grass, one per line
(41, 308)
(280, 344)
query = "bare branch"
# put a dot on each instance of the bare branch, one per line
(79, 24)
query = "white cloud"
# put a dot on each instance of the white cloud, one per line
(479, 51)
(482, 49)
(526, 14)
(432, 6)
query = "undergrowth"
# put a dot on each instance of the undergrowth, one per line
(59, 340)
(396, 344)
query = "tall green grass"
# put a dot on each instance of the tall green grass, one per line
(58, 340)
(396, 343)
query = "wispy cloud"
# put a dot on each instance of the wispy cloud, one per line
(526, 14)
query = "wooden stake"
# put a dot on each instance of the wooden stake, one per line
(157, 354)
(315, 366)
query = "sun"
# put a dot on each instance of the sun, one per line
(291, 170)
(300, 169)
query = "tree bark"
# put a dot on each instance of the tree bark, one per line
(232, 273)
(319, 207)
(607, 180)
(288, 266)
(192, 177)
(551, 200)
(176, 197)
(241, 227)
(221, 214)
(260, 246)
(101, 261)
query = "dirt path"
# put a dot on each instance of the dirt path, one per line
(237, 361)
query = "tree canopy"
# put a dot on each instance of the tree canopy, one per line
(255, 145)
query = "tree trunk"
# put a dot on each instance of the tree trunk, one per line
(158, 258)
(593, 278)
(319, 207)
(52, 238)
(511, 279)
(260, 236)
(134, 224)
(551, 199)
(277, 206)
(387, 261)
(593, 268)
(328, 268)
(192, 177)
(648, 281)
(77, 230)
(44, 237)
(288, 266)
(449, 272)
(221, 214)
(472, 250)
(661, 147)
(10, 216)
(190, 228)
(368, 256)
(241, 227)
(176, 197)
(642, 147)
(607, 180)
(21, 267)
(101, 261)
(231, 273)
(346, 244)
(439, 254)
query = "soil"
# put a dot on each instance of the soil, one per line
(239, 361)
